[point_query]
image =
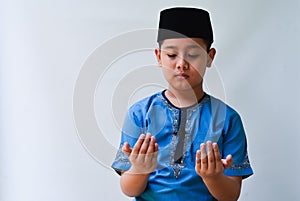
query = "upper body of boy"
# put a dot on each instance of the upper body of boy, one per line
(181, 143)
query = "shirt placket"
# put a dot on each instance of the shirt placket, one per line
(178, 165)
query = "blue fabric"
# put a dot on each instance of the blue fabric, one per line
(210, 119)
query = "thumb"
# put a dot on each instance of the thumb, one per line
(126, 149)
(227, 162)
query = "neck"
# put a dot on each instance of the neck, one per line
(184, 98)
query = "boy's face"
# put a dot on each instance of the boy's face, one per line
(183, 61)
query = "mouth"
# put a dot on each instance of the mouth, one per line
(182, 76)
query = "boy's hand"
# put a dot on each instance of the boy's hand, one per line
(209, 163)
(143, 156)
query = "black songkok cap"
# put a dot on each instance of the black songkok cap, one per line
(184, 22)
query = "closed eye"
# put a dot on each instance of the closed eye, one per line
(172, 55)
(193, 55)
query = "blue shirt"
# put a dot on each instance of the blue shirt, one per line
(209, 119)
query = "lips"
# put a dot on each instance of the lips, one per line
(182, 75)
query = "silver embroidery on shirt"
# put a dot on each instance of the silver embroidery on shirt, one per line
(177, 167)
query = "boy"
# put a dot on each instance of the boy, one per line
(181, 143)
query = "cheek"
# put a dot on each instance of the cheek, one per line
(167, 66)
(166, 61)
(167, 71)
(198, 71)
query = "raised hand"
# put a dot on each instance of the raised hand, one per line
(209, 163)
(143, 156)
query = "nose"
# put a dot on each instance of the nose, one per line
(182, 64)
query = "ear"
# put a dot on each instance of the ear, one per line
(211, 55)
(157, 52)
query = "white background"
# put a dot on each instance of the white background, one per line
(43, 45)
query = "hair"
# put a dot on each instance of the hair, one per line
(206, 42)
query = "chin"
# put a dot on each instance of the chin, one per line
(183, 88)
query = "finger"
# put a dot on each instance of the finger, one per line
(229, 158)
(203, 156)
(210, 155)
(126, 149)
(155, 154)
(218, 161)
(138, 144)
(151, 148)
(198, 160)
(156, 147)
(228, 161)
(145, 145)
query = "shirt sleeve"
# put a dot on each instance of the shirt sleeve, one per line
(235, 143)
(132, 128)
